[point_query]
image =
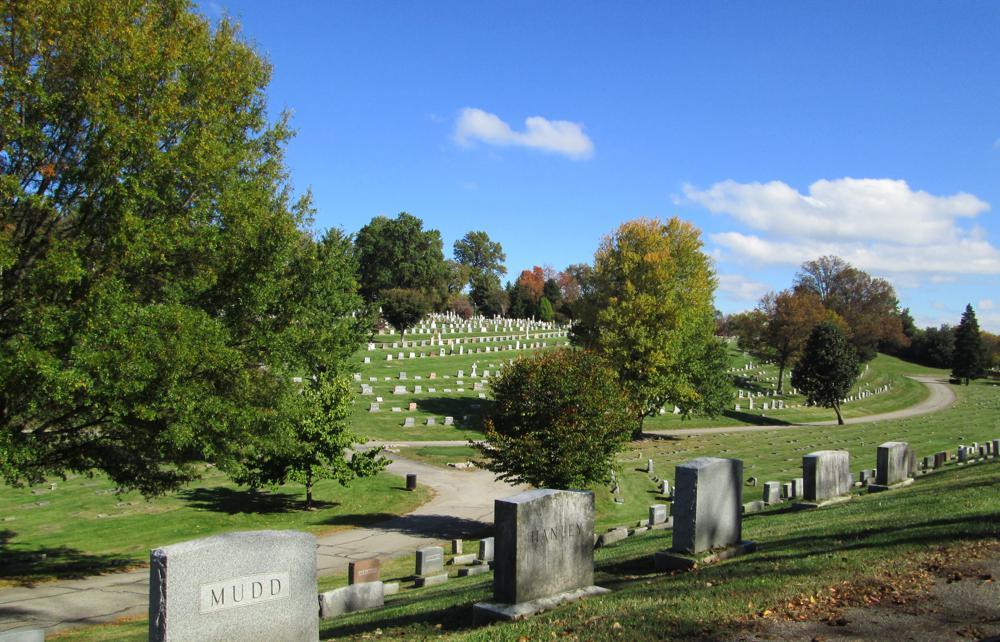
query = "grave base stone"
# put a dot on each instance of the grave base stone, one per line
(347, 599)
(430, 580)
(878, 488)
(673, 561)
(483, 612)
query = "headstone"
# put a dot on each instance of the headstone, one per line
(431, 421)
(430, 560)
(826, 474)
(892, 463)
(797, 489)
(256, 585)
(544, 552)
(449, 421)
(708, 504)
(657, 514)
(373, 407)
(772, 492)
(456, 547)
(649, 465)
(408, 422)
(486, 546)
(361, 571)
(940, 458)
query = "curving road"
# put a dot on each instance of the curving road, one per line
(462, 505)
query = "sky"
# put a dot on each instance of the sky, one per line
(783, 130)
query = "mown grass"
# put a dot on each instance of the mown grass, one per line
(777, 454)
(800, 553)
(440, 455)
(82, 527)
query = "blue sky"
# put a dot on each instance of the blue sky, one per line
(782, 130)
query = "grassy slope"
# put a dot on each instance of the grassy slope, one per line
(800, 554)
(83, 528)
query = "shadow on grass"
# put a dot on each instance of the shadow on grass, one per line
(437, 526)
(28, 567)
(457, 408)
(231, 501)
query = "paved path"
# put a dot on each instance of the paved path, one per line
(462, 505)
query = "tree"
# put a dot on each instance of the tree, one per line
(399, 254)
(404, 308)
(552, 291)
(486, 294)
(558, 420)
(827, 369)
(967, 361)
(533, 283)
(867, 305)
(482, 256)
(789, 318)
(652, 318)
(312, 445)
(152, 302)
(545, 311)
(520, 305)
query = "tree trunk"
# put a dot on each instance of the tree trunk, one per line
(637, 433)
(781, 376)
(840, 417)
(309, 491)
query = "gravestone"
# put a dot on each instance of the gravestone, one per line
(772, 492)
(486, 548)
(657, 514)
(256, 585)
(893, 466)
(708, 506)
(361, 571)
(544, 552)
(430, 566)
(348, 599)
(826, 475)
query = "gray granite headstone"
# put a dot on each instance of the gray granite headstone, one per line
(893, 465)
(544, 544)
(708, 504)
(256, 585)
(355, 597)
(826, 474)
(430, 560)
(486, 549)
(772, 492)
(658, 514)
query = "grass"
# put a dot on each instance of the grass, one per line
(876, 538)
(82, 528)
(777, 454)
(440, 455)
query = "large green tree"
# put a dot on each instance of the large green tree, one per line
(152, 308)
(557, 421)
(482, 256)
(398, 253)
(827, 368)
(652, 318)
(967, 359)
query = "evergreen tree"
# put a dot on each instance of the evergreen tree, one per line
(967, 358)
(827, 368)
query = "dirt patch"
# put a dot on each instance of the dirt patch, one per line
(944, 594)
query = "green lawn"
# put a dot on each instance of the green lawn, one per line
(873, 539)
(82, 528)
(777, 454)
(440, 455)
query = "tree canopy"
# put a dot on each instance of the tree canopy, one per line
(481, 255)
(651, 315)
(789, 317)
(827, 369)
(867, 305)
(157, 287)
(399, 254)
(558, 420)
(968, 356)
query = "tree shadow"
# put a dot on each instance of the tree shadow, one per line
(28, 567)
(457, 408)
(231, 501)
(437, 526)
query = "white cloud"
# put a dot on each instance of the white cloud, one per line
(844, 209)
(557, 136)
(963, 256)
(880, 225)
(986, 304)
(741, 288)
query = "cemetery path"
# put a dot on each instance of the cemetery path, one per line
(941, 396)
(462, 506)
